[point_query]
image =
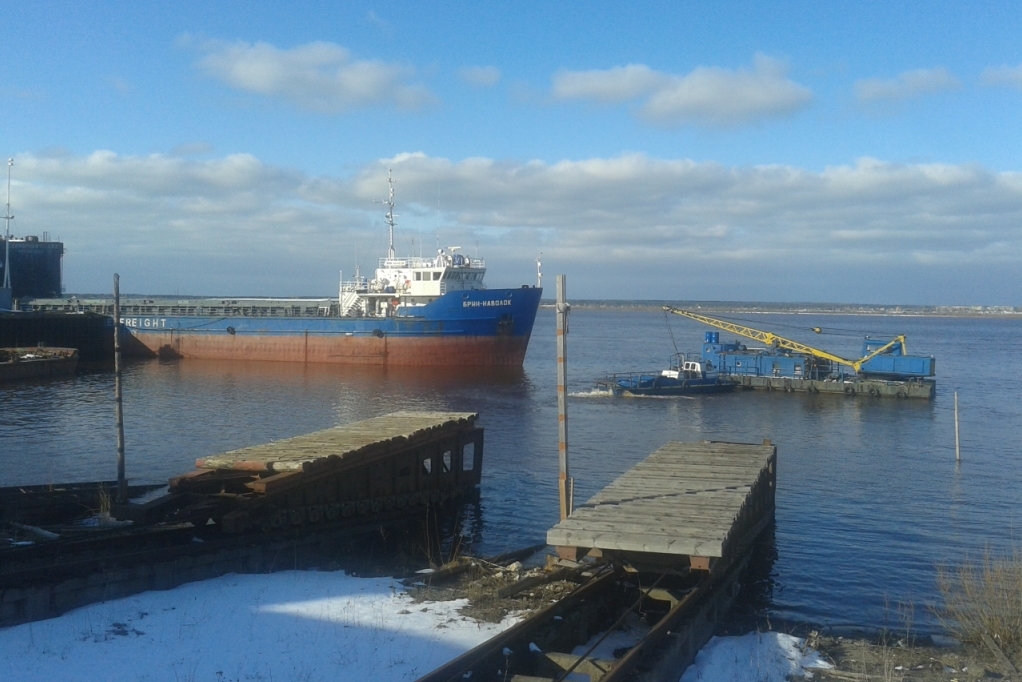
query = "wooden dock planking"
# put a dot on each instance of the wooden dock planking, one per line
(694, 499)
(357, 441)
(385, 466)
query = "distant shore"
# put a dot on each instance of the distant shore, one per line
(748, 307)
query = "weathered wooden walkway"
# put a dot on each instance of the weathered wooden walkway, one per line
(361, 440)
(701, 500)
(392, 462)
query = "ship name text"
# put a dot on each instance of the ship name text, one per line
(482, 304)
(144, 322)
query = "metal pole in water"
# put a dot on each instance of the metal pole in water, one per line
(958, 449)
(565, 484)
(122, 483)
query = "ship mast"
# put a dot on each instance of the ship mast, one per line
(390, 214)
(7, 235)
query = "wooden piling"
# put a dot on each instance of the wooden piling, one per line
(122, 482)
(958, 447)
(564, 481)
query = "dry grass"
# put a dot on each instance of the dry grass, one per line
(104, 502)
(984, 598)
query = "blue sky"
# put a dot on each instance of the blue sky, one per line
(756, 151)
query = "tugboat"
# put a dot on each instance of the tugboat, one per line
(685, 377)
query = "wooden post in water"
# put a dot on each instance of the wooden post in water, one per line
(122, 483)
(958, 448)
(565, 484)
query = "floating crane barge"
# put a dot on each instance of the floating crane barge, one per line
(884, 370)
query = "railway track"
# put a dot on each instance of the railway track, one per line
(558, 642)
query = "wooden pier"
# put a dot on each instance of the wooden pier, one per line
(669, 538)
(246, 506)
(686, 505)
(384, 464)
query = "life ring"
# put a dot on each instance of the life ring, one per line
(849, 390)
(901, 394)
(873, 391)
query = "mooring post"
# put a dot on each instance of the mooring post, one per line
(958, 448)
(565, 484)
(122, 483)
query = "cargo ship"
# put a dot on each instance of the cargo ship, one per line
(415, 311)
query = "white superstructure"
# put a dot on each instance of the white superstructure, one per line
(409, 282)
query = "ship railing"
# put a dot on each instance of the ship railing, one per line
(419, 262)
(355, 285)
(630, 376)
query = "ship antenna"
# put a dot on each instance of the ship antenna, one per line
(390, 213)
(539, 271)
(7, 234)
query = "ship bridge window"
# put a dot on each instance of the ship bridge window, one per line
(436, 276)
(418, 277)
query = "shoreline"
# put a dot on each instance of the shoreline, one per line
(988, 312)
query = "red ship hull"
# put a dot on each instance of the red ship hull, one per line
(491, 351)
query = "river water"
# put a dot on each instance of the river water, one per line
(869, 497)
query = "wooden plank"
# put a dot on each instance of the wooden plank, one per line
(667, 506)
(625, 520)
(678, 480)
(688, 530)
(635, 542)
(641, 490)
(680, 501)
(636, 526)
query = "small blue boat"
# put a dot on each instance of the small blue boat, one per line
(685, 377)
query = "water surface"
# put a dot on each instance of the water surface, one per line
(869, 497)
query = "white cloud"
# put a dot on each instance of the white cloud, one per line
(480, 76)
(379, 22)
(610, 86)
(319, 76)
(907, 85)
(1009, 76)
(625, 227)
(708, 96)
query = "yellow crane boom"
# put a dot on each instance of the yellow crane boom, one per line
(780, 342)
